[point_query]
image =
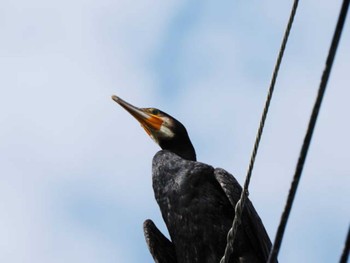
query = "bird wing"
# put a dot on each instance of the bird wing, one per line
(161, 248)
(251, 221)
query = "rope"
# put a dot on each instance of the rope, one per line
(244, 195)
(303, 153)
(345, 255)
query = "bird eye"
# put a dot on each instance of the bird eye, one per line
(154, 111)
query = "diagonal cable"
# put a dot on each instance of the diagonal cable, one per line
(345, 254)
(244, 195)
(303, 153)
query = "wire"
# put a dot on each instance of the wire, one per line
(345, 255)
(304, 150)
(244, 195)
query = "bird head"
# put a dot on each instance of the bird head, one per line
(164, 129)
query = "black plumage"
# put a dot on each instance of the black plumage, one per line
(196, 201)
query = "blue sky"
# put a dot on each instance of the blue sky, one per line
(75, 169)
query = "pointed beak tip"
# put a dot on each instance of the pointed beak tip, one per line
(115, 98)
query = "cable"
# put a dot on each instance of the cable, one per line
(303, 153)
(244, 195)
(345, 255)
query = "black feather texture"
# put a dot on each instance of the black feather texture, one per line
(197, 204)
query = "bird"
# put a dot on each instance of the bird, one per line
(196, 200)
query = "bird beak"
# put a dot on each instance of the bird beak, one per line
(147, 120)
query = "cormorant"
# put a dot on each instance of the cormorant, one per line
(196, 201)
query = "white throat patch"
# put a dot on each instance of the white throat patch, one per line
(163, 133)
(166, 132)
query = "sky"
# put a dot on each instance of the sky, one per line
(75, 168)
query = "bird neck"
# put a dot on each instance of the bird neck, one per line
(184, 149)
